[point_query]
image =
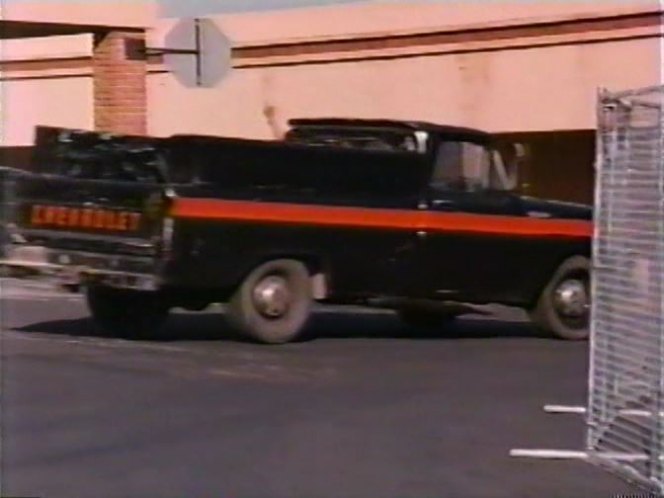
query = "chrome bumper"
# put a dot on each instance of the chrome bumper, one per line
(76, 268)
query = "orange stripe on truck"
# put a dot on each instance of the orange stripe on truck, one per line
(399, 219)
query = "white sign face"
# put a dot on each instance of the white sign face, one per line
(210, 63)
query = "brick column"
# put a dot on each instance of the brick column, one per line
(120, 70)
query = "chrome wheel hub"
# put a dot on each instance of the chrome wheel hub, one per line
(571, 298)
(272, 297)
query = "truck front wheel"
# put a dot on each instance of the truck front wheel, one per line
(273, 303)
(126, 313)
(563, 308)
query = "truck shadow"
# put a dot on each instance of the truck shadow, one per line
(337, 325)
(388, 326)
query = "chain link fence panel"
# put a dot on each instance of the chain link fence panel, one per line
(626, 403)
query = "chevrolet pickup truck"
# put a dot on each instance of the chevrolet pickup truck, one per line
(416, 217)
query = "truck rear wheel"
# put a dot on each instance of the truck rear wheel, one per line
(126, 313)
(563, 307)
(273, 303)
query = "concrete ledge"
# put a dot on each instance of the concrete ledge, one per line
(23, 262)
(9, 271)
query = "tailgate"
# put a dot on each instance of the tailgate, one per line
(81, 229)
(90, 218)
(104, 217)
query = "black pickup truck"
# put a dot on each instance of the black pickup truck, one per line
(411, 216)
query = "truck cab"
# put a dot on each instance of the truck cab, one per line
(485, 241)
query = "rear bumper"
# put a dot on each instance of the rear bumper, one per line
(75, 268)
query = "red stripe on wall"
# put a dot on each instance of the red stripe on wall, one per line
(223, 210)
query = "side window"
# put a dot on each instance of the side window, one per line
(447, 169)
(505, 171)
(463, 166)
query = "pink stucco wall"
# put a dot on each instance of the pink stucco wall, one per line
(511, 85)
(125, 13)
(57, 102)
(48, 80)
(396, 17)
(36, 88)
(548, 83)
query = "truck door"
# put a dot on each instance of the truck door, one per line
(464, 247)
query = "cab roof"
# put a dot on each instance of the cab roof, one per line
(411, 126)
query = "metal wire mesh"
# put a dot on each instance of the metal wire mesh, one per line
(625, 408)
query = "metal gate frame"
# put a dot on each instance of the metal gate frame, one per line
(625, 410)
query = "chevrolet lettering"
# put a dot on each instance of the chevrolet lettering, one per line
(49, 216)
(420, 218)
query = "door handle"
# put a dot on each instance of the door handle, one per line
(442, 202)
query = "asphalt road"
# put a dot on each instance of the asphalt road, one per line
(366, 408)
